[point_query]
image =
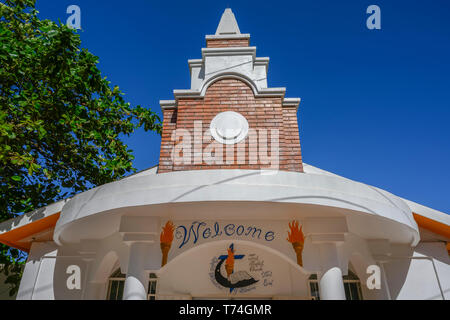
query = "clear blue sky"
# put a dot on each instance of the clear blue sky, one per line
(375, 104)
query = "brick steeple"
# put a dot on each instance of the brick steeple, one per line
(230, 118)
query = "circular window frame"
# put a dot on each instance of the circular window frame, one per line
(215, 125)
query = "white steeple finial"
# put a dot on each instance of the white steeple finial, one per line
(228, 24)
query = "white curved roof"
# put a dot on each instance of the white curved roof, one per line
(415, 207)
(207, 192)
(314, 186)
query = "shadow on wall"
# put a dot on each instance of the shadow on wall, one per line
(397, 272)
(33, 216)
(99, 271)
(69, 277)
(441, 262)
(437, 250)
(359, 265)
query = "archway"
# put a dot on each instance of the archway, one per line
(257, 271)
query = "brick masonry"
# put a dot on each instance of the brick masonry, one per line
(261, 113)
(222, 43)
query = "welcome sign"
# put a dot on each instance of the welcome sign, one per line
(201, 230)
(179, 236)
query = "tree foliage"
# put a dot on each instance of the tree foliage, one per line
(61, 122)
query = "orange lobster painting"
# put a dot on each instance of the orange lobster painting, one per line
(166, 239)
(297, 239)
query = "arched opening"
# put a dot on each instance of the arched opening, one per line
(116, 284)
(352, 286)
(259, 271)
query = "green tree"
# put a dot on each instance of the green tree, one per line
(61, 122)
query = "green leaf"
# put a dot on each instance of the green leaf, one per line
(61, 120)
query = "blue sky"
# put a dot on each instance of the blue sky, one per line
(375, 103)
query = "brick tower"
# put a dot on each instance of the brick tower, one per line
(229, 118)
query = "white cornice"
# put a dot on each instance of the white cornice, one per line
(270, 92)
(258, 61)
(167, 104)
(262, 61)
(258, 92)
(291, 102)
(195, 63)
(227, 36)
(229, 51)
(186, 94)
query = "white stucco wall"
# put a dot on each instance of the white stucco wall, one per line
(416, 278)
(37, 279)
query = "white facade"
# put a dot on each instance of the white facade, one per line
(345, 224)
(348, 227)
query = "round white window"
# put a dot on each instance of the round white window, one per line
(229, 127)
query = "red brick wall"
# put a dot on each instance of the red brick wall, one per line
(222, 43)
(169, 125)
(261, 113)
(291, 155)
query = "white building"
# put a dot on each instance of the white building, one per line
(236, 214)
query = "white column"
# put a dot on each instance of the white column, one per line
(327, 234)
(141, 235)
(136, 283)
(331, 284)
